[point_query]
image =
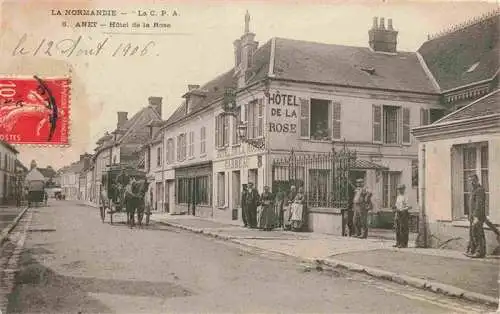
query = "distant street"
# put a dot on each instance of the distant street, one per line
(73, 263)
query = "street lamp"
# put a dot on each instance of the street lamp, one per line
(242, 132)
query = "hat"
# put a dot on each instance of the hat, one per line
(360, 180)
(401, 186)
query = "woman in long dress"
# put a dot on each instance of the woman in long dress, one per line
(298, 209)
(287, 210)
(279, 202)
(267, 217)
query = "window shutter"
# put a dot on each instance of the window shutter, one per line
(260, 122)
(304, 117)
(424, 116)
(336, 114)
(377, 123)
(217, 131)
(406, 125)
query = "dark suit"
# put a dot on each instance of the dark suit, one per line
(252, 203)
(477, 218)
(244, 207)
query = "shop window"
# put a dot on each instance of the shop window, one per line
(203, 190)
(236, 188)
(390, 181)
(221, 189)
(182, 191)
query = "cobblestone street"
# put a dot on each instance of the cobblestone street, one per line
(71, 262)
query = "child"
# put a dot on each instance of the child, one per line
(401, 218)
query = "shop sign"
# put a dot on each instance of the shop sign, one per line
(284, 109)
(236, 163)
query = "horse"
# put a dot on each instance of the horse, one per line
(136, 203)
(143, 186)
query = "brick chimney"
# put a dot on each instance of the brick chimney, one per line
(247, 46)
(122, 119)
(382, 39)
(155, 102)
(237, 53)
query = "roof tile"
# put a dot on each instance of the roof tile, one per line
(451, 57)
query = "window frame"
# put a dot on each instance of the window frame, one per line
(190, 153)
(389, 188)
(203, 140)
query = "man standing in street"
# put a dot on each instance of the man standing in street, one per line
(349, 213)
(401, 218)
(361, 204)
(252, 203)
(477, 217)
(244, 207)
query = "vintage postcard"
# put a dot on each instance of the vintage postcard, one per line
(249, 156)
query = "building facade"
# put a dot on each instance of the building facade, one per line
(463, 143)
(467, 140)
(306, 97)
(123, 145)
(8, 159)
(70, 177)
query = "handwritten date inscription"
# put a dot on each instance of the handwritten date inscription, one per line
(81, 46)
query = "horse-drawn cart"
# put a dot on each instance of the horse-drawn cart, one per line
(113, 197)
(36, 192)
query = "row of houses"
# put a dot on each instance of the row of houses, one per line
(406, 114)
(8, 172)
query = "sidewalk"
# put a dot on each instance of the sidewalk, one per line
(442, 271)
(9, 216)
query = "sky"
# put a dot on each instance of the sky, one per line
(200, 49)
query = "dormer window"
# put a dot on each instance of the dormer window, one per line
(472, 67)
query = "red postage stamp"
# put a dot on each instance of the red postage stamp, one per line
(34, 110)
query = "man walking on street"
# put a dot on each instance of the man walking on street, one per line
(361, 204)
(244, 207)
(401, 218)
(477, 217)
(349, 213)
(252, 203)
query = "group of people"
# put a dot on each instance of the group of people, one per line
(269, 211)
(360, 203)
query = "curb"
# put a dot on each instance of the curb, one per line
(433, 286)
(5, 232)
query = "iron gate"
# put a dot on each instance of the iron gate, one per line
(323, 176)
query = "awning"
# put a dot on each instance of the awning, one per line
(366, 164)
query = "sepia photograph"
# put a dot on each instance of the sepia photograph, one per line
(209, 156)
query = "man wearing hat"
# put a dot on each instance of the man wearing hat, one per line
(244, 205)
(361, 203)
(401, 218)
